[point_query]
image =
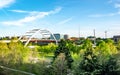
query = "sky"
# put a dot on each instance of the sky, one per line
(73, 17)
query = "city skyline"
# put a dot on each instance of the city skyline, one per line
(72, 17)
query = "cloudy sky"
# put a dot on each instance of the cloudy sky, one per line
(60, 16)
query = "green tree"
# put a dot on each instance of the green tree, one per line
(60, 65)
(72, 47)
(109, 67)
(118, 45)
(62, 48)
(18, 53)
(50, 48)
(105, 49)
(89, 62)
(4, 52)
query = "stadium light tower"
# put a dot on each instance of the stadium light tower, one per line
(79, 32)
(105, 34)
(94, 37)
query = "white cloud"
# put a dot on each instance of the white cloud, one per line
(117, 5)
(56, 10)
(33, 15)
(33, 12)
(19, 11)
(104, 15)
(5, 3)
(64, 21)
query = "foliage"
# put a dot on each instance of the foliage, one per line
(109, 67)
(18, 53)
(50, 48)
(62, 48)
(99, 60)
(73, 47)
(105, 49)
(89, 62)
(14, 53)
(118, 45)
(60, 65)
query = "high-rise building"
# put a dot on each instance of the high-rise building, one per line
(66, 37)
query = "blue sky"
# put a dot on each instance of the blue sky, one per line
(60, 16)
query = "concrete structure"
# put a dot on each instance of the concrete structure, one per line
(116, 38)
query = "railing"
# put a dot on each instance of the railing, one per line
(23, 72)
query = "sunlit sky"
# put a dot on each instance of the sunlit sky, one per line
(60, 16)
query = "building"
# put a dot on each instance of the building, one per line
(66, 37)
(74, 38)
(116, 38)
(57, 36)
(92, 38)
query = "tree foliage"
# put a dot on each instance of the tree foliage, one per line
(99, 60)
(89, 61)
(105, 49)
(60, 65)
(50, 48)
(62, 48)
(118, 45)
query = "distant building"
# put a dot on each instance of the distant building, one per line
(57, 36)
(81, 38)
(5, 38)
(74, 38)
(66, 37)
(116, 38)
(91, 38)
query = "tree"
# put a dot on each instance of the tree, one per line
(60, 65)
(72, 47)
(89, 62)
(62, 48)
(105, 49)
(118, 45)
(18, 53)
(4, 52)
(109, 67)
